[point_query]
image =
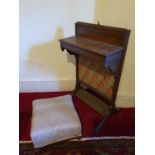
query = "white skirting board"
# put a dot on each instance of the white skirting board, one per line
(125, 101)
(68, 85)
(46, 86)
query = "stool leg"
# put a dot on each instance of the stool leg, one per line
(100, 125)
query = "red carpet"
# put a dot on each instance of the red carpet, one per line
(121, 123)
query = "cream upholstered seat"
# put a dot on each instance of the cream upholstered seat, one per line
(53, 120)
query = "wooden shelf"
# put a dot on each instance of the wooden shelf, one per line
(94, 102)
(93, 49)
(93, 46)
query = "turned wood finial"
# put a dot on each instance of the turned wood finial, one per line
(98, 23)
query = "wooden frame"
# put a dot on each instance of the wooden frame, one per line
(100, 43)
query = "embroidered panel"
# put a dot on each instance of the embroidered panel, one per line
(95, 75)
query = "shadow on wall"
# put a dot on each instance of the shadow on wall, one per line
(71, 59)
(47, 53)
(49, 56)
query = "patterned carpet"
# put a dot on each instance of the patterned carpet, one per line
(95, 147)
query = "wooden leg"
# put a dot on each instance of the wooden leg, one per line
(100, 125)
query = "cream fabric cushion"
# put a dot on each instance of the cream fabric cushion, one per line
(54, 120)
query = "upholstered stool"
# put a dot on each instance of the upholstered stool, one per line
(54, 120)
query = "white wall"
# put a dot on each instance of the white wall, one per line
(121, 13)
(42, 23)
